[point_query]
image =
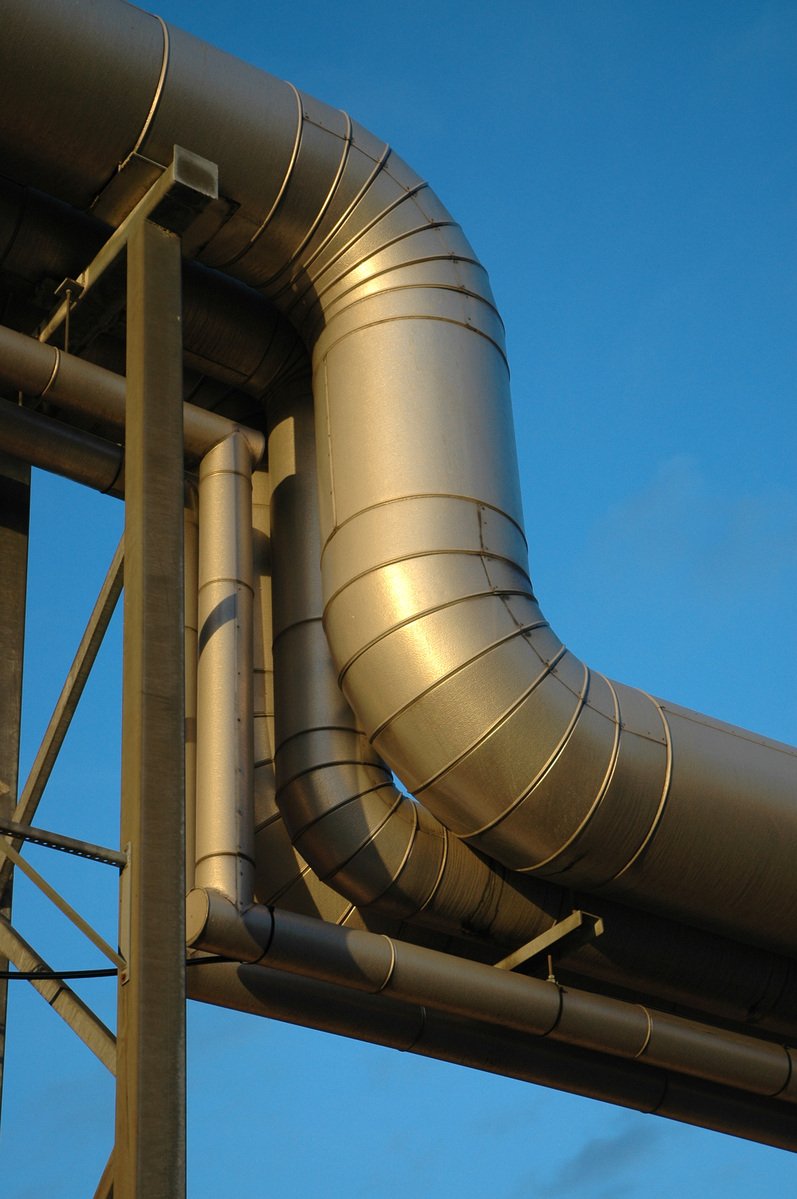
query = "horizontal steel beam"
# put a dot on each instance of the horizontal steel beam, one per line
(82, 849)
(174, 201)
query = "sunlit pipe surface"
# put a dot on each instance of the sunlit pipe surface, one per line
(440, 646)
(670, 962)
(436, 636)
(379, 849)
(416, 1029)
(411, 974)
(224, 758)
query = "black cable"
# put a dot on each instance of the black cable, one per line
(63, 975)
(51, 976)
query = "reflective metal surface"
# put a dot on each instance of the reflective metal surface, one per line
(418, 646)
(439, 644)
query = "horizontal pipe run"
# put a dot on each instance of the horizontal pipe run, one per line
(54, 446)
(87, 390)
(378, 964)
(277, 995)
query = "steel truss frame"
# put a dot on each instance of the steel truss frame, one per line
(148, 1054)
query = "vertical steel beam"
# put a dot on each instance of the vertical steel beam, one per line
(14, 518)
(149, 1153)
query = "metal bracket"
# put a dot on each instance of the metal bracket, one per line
(585, 923)
(83, 849)
(125, 917)
(174, 201)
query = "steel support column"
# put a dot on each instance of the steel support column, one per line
(149, 1154)
(14, 516)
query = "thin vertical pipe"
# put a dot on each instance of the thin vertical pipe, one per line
(149, 1155)
(190, 584)
(224, 809)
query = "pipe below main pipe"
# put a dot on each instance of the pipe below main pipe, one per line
(53, 446)
(263, 991)
(378, 964)
(39, 370)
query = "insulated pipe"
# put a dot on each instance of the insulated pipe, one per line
(380, 850)
(411, 974)
(275, 994)
(190, 598)
(224, 782)
(42, 371)
(54, 446)
(283, 877)
(439, 643)
(361, 836)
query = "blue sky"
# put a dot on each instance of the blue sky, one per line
(624, 169)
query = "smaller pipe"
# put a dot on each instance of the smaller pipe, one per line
(225, 753)
(190, 600)
(412, 974)
(53, 446)
(409, 1028)
(88, 390)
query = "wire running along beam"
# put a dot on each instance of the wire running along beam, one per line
(61, 998)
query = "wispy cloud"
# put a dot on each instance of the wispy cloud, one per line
(598, 1168)
(682, 523)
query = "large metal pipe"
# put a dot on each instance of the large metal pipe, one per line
(437, 638)
(511, 741)
(345, 816)
(380, 850)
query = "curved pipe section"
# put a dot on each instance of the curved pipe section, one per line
(439, 643)
(372, 844)
(345, 816)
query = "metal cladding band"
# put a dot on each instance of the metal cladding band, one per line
(379, 965)
(414, 1029)
(440, 646)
